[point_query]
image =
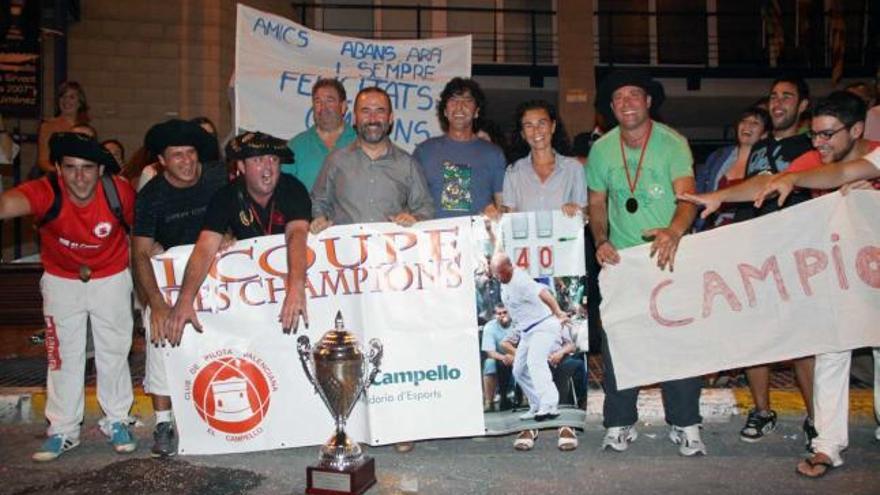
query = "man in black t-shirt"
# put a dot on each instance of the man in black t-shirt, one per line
(789, 99)
(263, 201)
(168, 212)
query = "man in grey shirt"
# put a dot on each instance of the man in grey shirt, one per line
(370, 180)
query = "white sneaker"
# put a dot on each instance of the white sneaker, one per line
(528, 415)
(545, 414)
(877, 433)
(619, 437)
(688, 440)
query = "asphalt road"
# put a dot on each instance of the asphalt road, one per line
(459, 466)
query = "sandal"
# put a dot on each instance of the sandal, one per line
(567, 439)
(818, 461)
(525, 440)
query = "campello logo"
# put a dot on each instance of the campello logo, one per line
(441, 373)
(232, 394)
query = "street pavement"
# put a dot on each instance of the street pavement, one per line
(487, 465)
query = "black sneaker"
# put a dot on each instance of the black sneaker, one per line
(809, 433)
(164, 440)
(757, 425)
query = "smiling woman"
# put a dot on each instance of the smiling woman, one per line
(71, 108)
(544, 179)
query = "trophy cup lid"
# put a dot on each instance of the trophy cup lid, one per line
(338, 340)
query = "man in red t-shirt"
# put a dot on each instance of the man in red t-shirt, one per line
(837, 127)
(837, 130)
(84, 249)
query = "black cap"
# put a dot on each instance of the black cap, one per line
(79, 145)
(621, 78)
(251, 144)
(177, 132)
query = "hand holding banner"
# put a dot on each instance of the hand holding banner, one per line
(795, 283)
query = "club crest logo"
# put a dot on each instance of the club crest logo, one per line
(103, 229)
(231, 394)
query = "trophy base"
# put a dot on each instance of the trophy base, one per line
(353, 480)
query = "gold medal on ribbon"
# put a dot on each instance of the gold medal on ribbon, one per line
(246, 218)
(85, 273)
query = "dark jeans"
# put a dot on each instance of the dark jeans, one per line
(593, 268)
(681, 398)
(571, 368)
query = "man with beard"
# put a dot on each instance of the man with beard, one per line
(169, 212)
(370, 180)
(836, 128)
(262, 202)
(330, 132)
(789, 99)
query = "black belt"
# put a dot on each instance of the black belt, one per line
(533, 325)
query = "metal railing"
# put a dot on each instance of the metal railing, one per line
(521, 36)
(724, 39)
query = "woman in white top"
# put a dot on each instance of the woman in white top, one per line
(543, 179)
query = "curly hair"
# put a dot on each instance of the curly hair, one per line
(456, 87)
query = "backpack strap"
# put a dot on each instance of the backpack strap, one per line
(55, 209)
(112, 196)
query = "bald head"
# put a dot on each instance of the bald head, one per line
(502, 267)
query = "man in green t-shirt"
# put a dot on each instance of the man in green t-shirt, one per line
(635, 172)
(330, 132)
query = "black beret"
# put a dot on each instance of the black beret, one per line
(79, 145)
(177, 132)
(621, 78)
(250, 144)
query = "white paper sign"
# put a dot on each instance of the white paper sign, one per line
(239, 386)
(277, 61)
(803, 281)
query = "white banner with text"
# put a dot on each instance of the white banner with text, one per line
(277, 61)
(239, 386)
(803, 281)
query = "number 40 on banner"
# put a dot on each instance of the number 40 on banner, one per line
(543, 255)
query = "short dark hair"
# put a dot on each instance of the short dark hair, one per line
(374, 89)
(797, 81)
(760, 114)
(330, 82)
(846, 107)
(459, 86)
(581, 144)
(202, 120)
(559, 141)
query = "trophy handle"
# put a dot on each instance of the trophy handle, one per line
(371, 369)
(304, 349)
(375, 359)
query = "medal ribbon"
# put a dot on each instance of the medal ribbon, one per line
(629, 181)
(266, 231)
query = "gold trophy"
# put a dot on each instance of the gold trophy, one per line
(339, 371)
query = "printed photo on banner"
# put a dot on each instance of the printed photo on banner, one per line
(549, 246)
(278, 61)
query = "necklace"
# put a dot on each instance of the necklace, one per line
(632, 204)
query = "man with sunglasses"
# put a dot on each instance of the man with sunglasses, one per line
(789, 99)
